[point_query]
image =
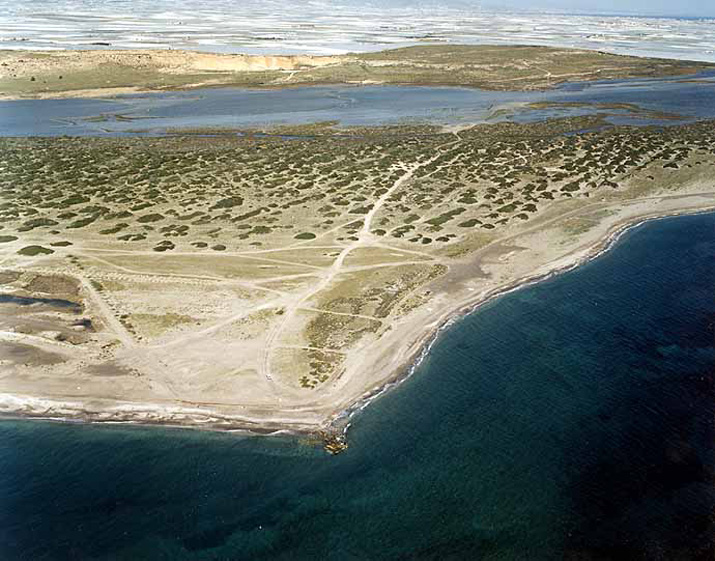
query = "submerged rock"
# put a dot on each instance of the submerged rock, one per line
(334, 443)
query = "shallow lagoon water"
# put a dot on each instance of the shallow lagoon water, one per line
(571, 419)
(156, 113)
(28, 301)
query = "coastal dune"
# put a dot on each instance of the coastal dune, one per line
(75, 73)
(292, 356)
(376, 365)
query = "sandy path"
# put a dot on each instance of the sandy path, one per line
(364, 238)
(107, 314)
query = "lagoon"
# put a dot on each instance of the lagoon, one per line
(241, 108)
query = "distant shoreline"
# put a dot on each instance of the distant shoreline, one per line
(351, 29)
(101, 73)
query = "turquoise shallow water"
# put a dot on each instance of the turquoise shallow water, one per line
(572, 419)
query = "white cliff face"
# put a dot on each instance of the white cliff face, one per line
(172, 62)
(243, 63)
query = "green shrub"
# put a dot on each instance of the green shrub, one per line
(228, 202)
(33, 250)
(36, 223)
(155, 217)
(470, 223)
(82, 222)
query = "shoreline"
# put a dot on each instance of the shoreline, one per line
(335, 424)
(122, 91)
(118, 92)
(344, 418)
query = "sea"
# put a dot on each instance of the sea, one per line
(571, 419)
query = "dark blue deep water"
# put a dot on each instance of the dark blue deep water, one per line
(570, 420)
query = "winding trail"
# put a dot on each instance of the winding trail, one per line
(108, 315)
(364, 237)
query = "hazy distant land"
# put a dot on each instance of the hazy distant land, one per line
(320, 28)
(26, 74)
